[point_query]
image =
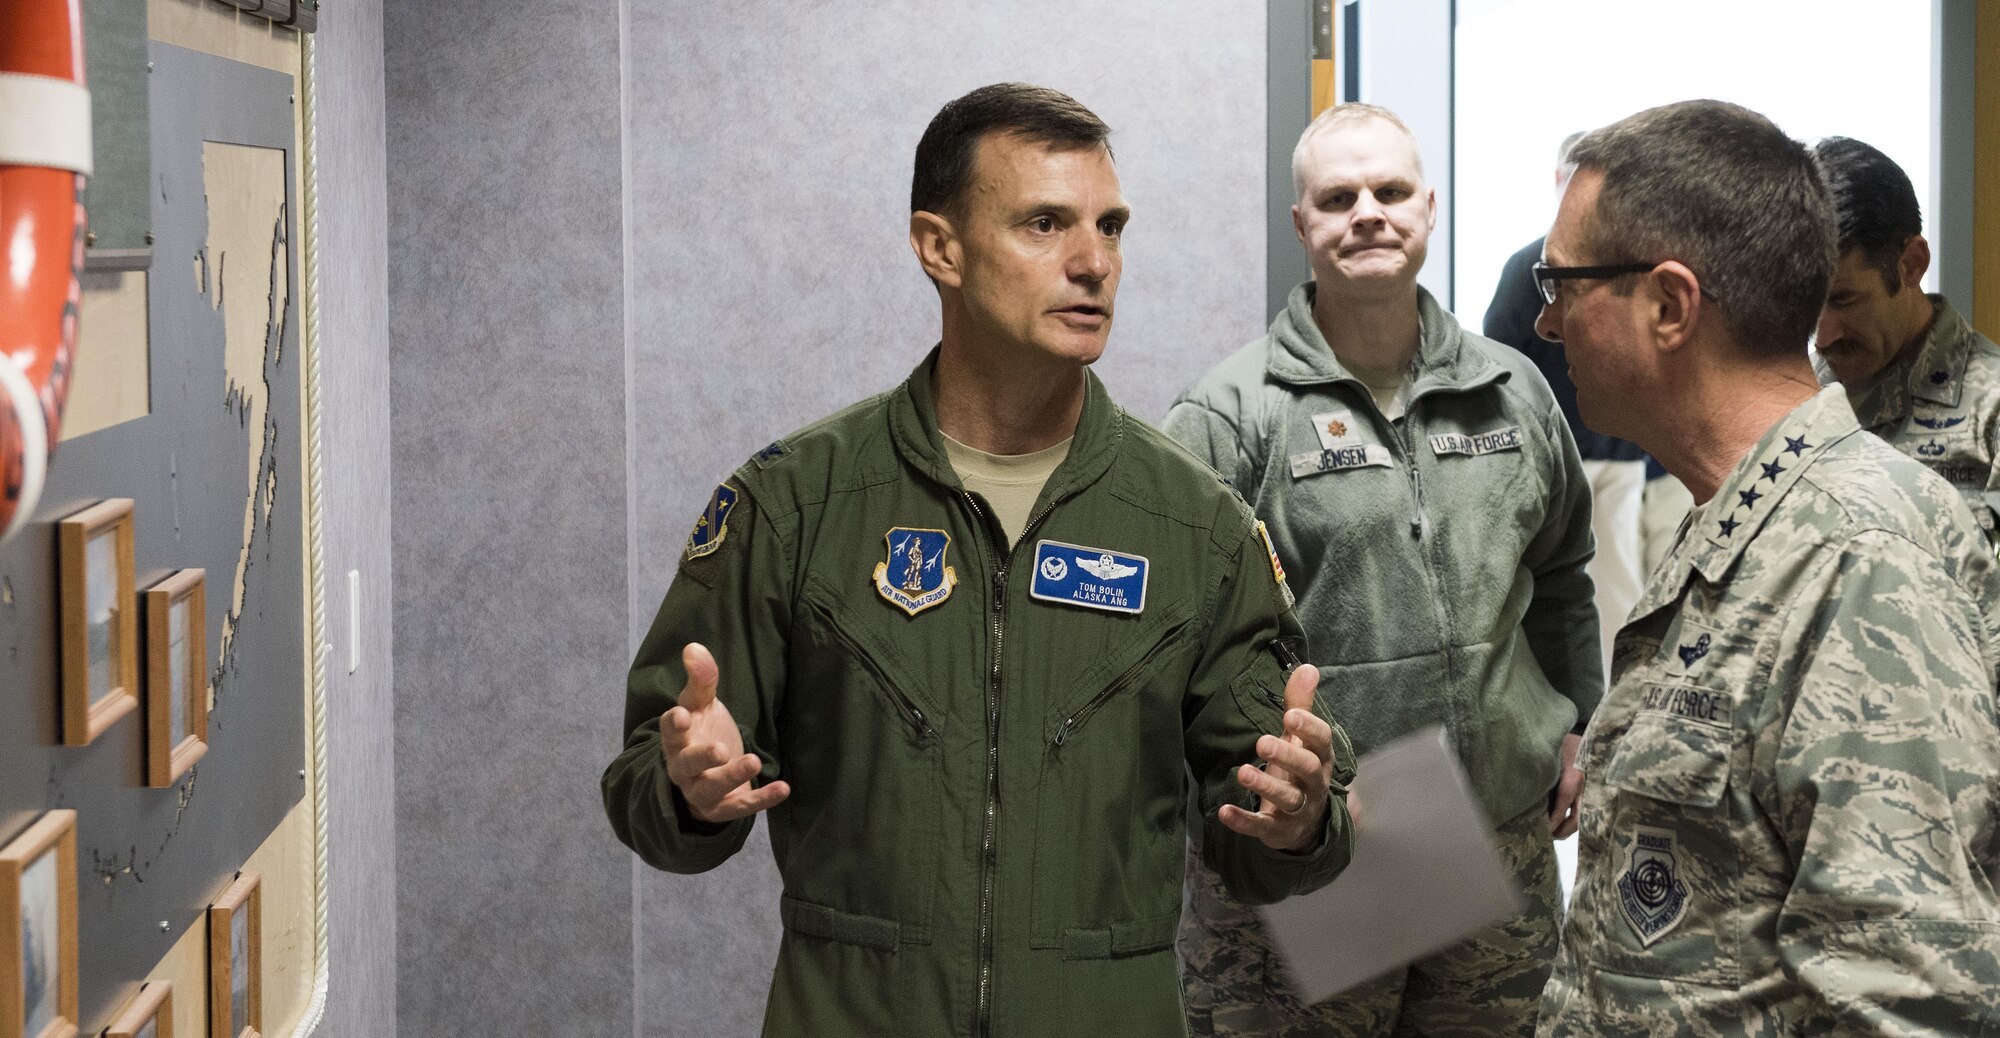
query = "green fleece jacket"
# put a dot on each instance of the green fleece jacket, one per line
(987, 743)
(1439, 559)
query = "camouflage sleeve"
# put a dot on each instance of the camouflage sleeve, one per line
(1236, 695)
(730, 595)
(1561, 621)
(1883, 789)
(1990, 496)
(1212, 437)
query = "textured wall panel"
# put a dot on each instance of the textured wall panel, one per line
(354, 404)
(773, 282)
(508, 487)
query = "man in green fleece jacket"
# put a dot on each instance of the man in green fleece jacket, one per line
(1424, 491)
(964, 641)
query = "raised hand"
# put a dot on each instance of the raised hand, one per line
(1297, 774)
(704, 750)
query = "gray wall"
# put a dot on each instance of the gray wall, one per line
(599, 312)
(353, 275)
(507, 466)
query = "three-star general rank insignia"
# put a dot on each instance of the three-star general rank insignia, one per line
(713, 525)
(914, 577)
(1651, 891)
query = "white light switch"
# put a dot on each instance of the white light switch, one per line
(353, 620)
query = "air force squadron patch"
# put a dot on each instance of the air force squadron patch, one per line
(1651, 890)
(1094, 578)
(713, 525)
(914, 577)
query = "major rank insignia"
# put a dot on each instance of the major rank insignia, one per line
(713, 524)
(1094, 578)
(914, 577)
(1651, 891)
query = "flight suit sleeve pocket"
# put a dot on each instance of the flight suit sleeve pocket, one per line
(1675, 761)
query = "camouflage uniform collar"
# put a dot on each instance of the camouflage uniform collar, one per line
(1718, 532)
(913, 426)
(1934, 373)
(1299, 354)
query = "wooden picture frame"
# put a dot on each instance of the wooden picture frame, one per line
(37, 894)
(236, 960)
(176, 676)
(150, 1014)
(100, 621)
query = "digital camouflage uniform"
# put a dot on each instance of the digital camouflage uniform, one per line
(1440, 567)
(1941, 406)
(1791, 816)
(987, 742)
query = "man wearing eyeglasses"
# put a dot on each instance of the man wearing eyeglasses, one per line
(1917, 374)
(1423, 490)
(1788, 824)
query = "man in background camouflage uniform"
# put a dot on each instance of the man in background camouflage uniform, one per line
(1791, 810)
(1917, 374)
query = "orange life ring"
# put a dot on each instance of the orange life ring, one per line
(44, 158)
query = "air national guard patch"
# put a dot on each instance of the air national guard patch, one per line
(1651, 890)
(915, 578)
(713, 524)
(1094, 578)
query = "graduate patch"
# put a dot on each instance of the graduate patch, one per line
(1336, 459)
(914, 577)
(1651, 890)
(1094, 578)
(1334, 428)
(713, 525)
(1476, 444)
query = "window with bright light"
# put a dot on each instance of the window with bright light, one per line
(1528, 72)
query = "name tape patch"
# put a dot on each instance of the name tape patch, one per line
(1336, 459)
(1475, 444)
(1695, 704)
(1094, 578)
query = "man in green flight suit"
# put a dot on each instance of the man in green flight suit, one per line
(965, 641)
(1917, 374)
(1792, 786)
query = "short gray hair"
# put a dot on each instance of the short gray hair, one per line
(1341, 115)
(1723, 190)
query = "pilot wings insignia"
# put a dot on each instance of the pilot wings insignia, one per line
(1939, 423)
(1104, 567)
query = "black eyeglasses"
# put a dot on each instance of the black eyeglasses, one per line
(1546, 276)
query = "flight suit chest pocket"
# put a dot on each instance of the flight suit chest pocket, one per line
(1667, 905)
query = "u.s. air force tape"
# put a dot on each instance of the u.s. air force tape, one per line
(1334, 459)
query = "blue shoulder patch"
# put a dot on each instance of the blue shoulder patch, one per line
(713, 524)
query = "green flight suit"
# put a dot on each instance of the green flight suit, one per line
(986, 824)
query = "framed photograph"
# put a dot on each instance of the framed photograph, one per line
(236, 960)
(38, 930)
(150, 1014)
(176, 676)
(100, 624)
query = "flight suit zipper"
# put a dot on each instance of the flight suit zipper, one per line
(999, 561)
(911, 711)
(1076, 720)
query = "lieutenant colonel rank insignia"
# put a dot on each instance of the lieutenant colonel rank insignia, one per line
(915, 578)
(713, 524)
(1651, 890)
(1094, 578)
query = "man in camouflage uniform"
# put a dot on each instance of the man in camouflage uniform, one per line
(1791, 810)
(1917, 374)
(1421, 484)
